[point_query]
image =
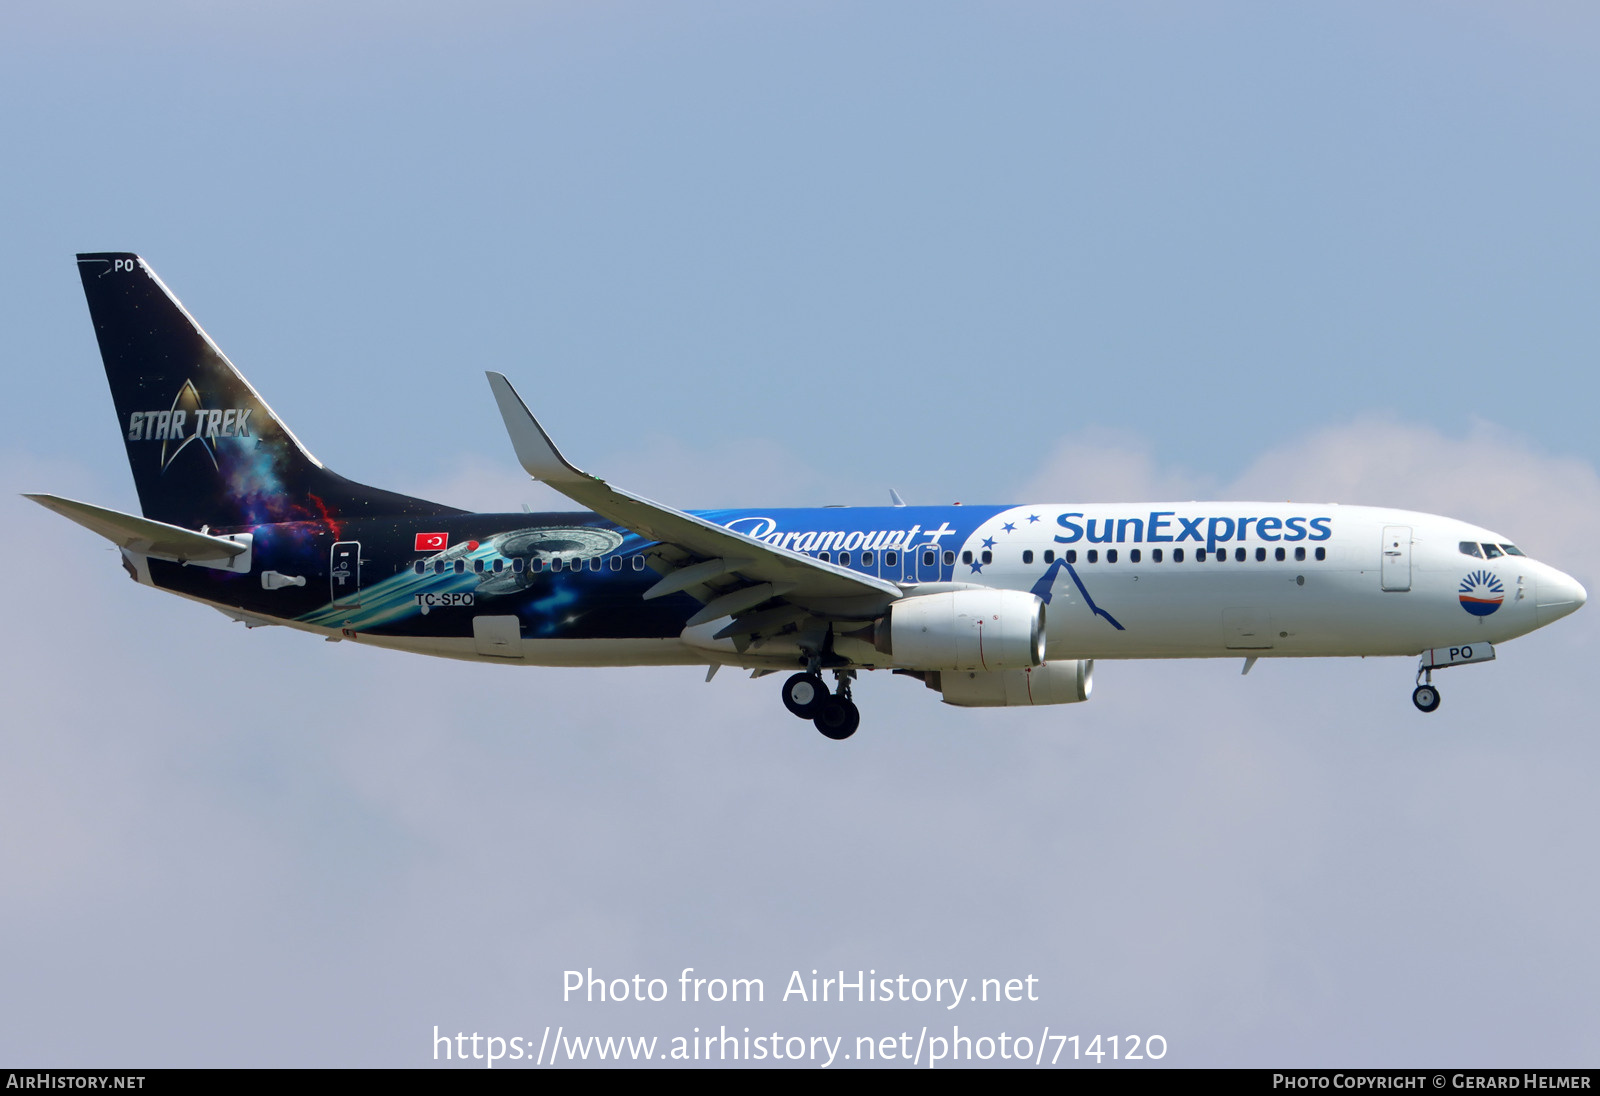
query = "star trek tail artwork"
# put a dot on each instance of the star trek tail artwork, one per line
(204, 446)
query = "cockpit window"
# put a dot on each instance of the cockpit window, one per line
(1512, 549)
(1469, 548)
(1491, 552)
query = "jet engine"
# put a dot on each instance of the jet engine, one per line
(984, 630)
(1052, 683)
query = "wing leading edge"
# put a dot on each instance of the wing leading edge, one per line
(735, 575)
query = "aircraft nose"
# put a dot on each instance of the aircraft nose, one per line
(1558, 595)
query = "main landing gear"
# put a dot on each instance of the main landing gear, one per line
(835, 714)
(1425, 696)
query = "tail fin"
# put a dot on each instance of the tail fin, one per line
(204, 446)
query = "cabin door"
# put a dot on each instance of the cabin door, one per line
(497, 636)
(344, 574)
(1396, 564)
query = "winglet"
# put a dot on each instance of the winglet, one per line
(535, 451)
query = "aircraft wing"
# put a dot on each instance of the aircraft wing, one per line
(732, 573)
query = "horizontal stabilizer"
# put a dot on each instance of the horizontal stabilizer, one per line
(141, 535)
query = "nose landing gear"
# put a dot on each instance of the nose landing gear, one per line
(1425, 696)
(834, 714)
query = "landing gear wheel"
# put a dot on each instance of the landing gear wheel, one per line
(837, 718)
(803, 694)
(1425, 697)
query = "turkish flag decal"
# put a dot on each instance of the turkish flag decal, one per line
(432, 542)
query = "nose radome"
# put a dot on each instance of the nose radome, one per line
(1558, 595)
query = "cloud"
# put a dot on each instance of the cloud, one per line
(720, 473)
(1549, 505)
(1103, 465)
(252, 847)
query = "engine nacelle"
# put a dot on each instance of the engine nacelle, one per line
(965, 630)
(1052, 683)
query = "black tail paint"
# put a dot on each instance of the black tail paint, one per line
(204, 446)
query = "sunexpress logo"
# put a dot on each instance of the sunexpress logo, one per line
(1166, 527)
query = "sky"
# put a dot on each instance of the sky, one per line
(800, 254)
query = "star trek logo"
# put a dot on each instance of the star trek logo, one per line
(1481, 593)
(187, 422)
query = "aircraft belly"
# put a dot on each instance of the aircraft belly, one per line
(549, 652)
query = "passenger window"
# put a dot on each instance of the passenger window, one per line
(927, 559)
(1134, 555)
(461, 566)
(1512, 549)
(616, 563)
(966, 557)
(891, 559)
(844, 559)
(477, 566)
(1094, 555)
(949, 558)
(988, 556)
(1049, 555)
(1111, 555)
(499, 565)
(1469, 548)
(1156, 555)
(1299, 554)
(438, 566)
(1027, 557)
(866, 559)
(1238, 555)
(638, 563)
(823, 556)
(1279, 554)
(1322, 553)
(536, 564)
(420, 567)
(1491, 552)
(555, 563)
(516, 565)
(1199, 555)
(1072, 555)
(1261, 555)
(1177, 555)
(594, 563)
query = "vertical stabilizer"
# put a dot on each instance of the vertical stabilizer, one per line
(204, 447)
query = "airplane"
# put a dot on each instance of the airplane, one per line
(987, 605)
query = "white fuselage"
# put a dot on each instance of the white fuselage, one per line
(1366, 596)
